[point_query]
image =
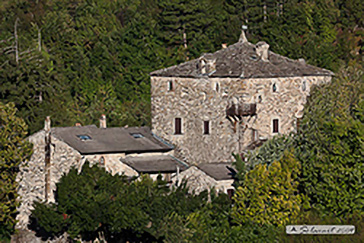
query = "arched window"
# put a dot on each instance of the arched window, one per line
(170, 85)
(102, 161)
(274, 87)
(304, 85)
(217, 87)
(260, 99)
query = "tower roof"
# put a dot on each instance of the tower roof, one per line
(243, 60)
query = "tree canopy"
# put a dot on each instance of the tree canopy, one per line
(74, 60)
(13, 150)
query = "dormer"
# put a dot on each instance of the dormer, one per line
(207, 64)
(262, 48)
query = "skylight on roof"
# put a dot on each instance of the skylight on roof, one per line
(137, 135)
(84, 137)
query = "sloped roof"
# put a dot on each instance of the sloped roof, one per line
(218, 170)
(241, 60)
(154, 164)
(110, 140)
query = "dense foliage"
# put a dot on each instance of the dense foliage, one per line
(330, 145)
(270, 151)
(74, 60)
(269, 194)
(329, 148)
(95, 204)
(13, 150)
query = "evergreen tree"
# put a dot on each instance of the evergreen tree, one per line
(13, 150)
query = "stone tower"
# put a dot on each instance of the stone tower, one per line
(230, 101)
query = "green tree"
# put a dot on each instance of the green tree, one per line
(13, 150)
(95, 203)
(330, 145)
(269, 194)
(270, 151)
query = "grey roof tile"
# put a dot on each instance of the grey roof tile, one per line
(218, 170)
(241, 61)
(110, 140)
(154, 164)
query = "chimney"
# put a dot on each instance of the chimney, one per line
(103, 121)
(224, 45)
(261, 49)
(47, 124)
(243, 38)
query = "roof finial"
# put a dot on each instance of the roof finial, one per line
(243, 38)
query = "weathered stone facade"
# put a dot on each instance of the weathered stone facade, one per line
(206, 99)
(31, 177)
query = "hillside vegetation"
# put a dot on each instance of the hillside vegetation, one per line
(76, 59)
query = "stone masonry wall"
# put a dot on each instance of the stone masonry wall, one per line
(286, 105)
(31, 177)
(195, 100)
(206, 99)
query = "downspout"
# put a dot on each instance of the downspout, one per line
(47, 130)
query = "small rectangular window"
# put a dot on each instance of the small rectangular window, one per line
(275, 125)
(178, 126)
(206, 127)
(170, 85)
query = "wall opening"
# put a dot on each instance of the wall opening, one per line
(275, 125)
(274, 87)
(206, 127)
(178, 126)
(170, 86)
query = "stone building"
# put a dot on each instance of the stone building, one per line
(230, 101)
(128, 151)
(205, 176)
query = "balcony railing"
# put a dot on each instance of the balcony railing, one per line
(242, 110)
